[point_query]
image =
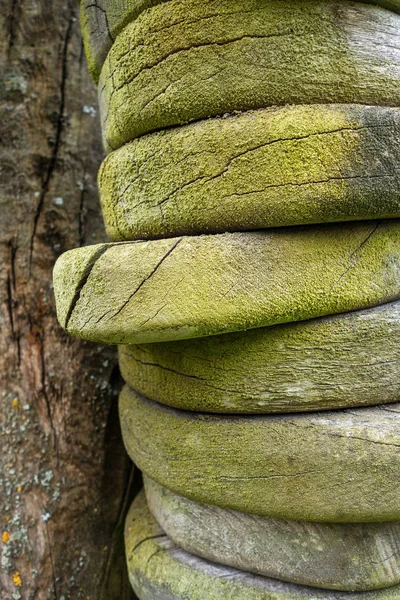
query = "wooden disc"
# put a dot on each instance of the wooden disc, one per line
(335, 466)
(197, 286)
(159, 570)
(291, 165)
(346, 557)
(186, 60)
(103, 20)
(342, 361)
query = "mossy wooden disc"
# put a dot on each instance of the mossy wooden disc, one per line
(346, 360)
(101, 22)
(197, 286)
(186, 60)
(347, 557)
(334, 466)
(159, 570)
(268, 168)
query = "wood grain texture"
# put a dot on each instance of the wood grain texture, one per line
(341, 361)
(189, 287)
(269, 168)
(346, 557)
(335, 466)
(159, 570)
(186, 60)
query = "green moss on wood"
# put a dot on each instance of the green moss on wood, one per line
(70, 276)
(188, 60)
(341, 361)
(270, 168)
(101, 21)
(191, 287)
(337, 466)
(389, 4)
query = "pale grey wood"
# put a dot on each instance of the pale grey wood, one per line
(346, 557)
(159, 570)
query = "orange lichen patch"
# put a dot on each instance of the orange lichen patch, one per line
(8, 517)
(5, 537)
(19, 489)
(16, 403)
(17, 579)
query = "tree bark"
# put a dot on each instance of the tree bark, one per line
(65, 480)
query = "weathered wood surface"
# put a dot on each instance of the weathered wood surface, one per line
(159, 570)
(101, 22)
(389, 4)
(269, 168)
(335, 466)
(346, 557)
(188, 287)
(346, 360)
(188, 60)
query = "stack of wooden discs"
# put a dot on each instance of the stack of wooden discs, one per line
(252, 196)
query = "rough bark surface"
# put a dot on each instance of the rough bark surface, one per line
(63, 469)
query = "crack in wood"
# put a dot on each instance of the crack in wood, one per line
(83, 280)
(141, 284)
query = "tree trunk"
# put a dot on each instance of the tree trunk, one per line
(65, 479)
